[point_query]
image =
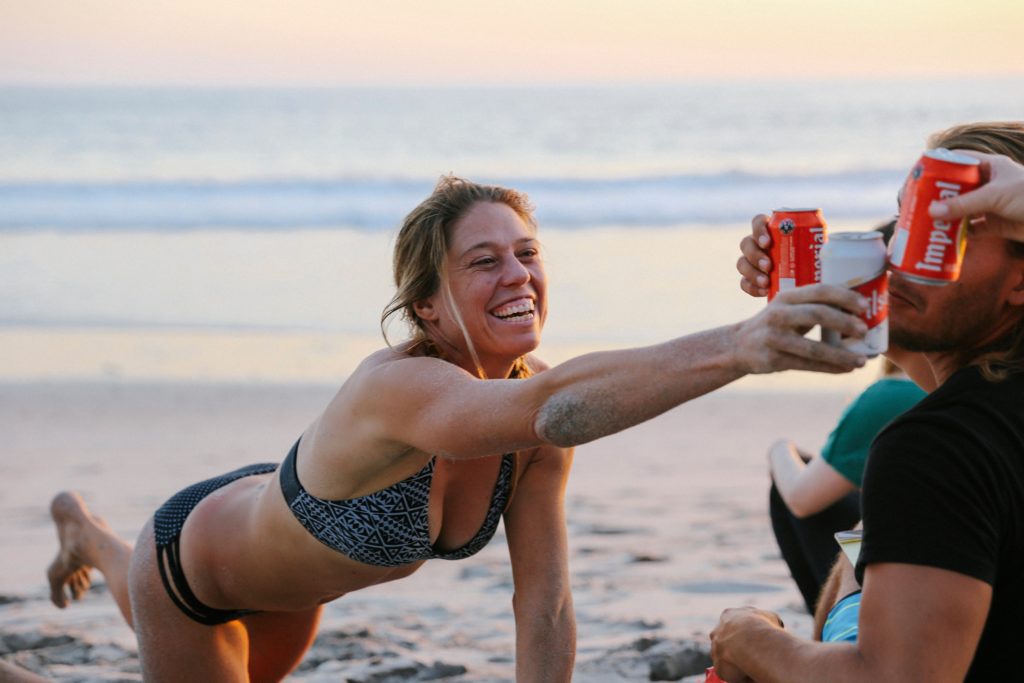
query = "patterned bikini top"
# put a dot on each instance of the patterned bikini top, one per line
(387, 528)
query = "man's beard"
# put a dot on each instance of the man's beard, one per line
(960, 326)
(909, 340)
(970, 318)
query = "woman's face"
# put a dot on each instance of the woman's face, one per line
(498, 283)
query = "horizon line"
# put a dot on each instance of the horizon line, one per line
(733, 79)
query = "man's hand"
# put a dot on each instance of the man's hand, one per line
(1002, 195)
(734, 625)
(755, 263)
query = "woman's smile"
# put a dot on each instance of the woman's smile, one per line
(520, 310)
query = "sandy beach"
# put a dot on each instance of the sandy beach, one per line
(667, 526)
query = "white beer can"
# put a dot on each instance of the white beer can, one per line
(857, 260)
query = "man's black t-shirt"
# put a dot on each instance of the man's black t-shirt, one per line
(944, 487)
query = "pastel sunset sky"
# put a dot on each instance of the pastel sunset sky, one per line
(473, 42)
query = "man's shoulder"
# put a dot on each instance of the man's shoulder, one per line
(968, 389)
(966, 418)
(940, 488)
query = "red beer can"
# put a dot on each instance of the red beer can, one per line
(797, 236)
(925, 249)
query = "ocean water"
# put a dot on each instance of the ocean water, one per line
(271, 211)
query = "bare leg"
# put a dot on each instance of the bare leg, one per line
(840, 583)
(86, 542)
(278, 641)
(172, 647)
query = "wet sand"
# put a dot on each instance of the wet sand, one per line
(667, 526)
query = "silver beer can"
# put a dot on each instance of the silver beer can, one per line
(857, 260)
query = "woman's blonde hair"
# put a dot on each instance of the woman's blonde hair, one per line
(419, 260)
(1006, 138)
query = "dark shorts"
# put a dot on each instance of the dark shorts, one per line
(168, 522)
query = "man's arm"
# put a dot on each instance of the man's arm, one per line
(916, 624)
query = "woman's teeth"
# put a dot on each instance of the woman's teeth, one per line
(521, 310)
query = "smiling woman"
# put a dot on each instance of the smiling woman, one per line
(424, 449)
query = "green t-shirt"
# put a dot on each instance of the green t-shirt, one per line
(846, 449)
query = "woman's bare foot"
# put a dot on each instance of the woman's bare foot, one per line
(78, 532)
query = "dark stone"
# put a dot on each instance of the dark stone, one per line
(672, 666)
(648, 558)
(439, 670)
(643, 644)
(32, 640)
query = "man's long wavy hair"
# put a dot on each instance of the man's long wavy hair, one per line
(1006, 138)
(419, 260)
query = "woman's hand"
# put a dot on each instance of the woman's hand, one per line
(1001, 195)
(774, 339)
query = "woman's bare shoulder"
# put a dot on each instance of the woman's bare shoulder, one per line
(399, 361)
(373, 399)
(383, 355)
(390, 377)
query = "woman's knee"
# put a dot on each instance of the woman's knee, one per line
(278, 641)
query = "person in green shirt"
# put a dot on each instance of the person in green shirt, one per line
(812, 498)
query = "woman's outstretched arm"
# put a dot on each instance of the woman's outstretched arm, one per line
(438, 408)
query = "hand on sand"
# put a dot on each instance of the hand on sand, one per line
(1002, 195)
(774, 339)
(68, 574)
